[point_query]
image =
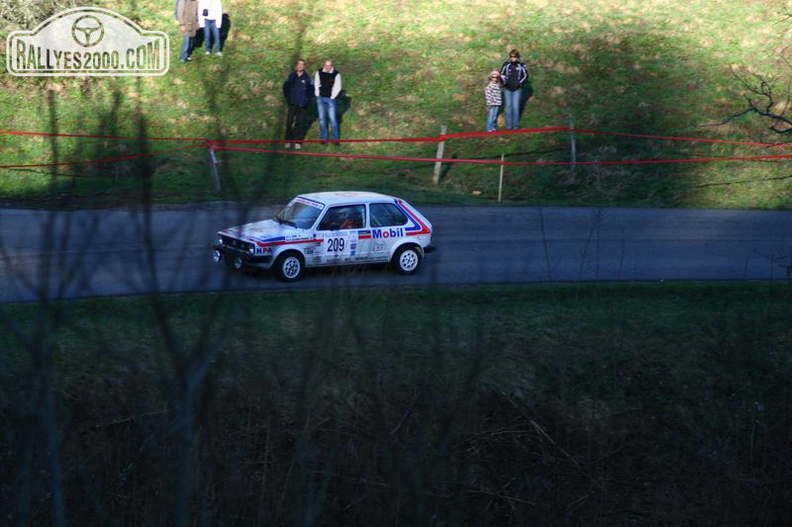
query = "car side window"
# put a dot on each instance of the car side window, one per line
(345, 217)
(386, 215)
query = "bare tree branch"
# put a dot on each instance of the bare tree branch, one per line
(763, 100)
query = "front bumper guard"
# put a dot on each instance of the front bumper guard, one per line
(243, 258)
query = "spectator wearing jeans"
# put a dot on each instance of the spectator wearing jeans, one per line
(493, 99)
(187, 18)
(327, 86)
(298, 91)
(211, 19)
(514, 75)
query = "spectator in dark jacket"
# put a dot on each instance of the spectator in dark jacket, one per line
(514, 75)
(298, 90)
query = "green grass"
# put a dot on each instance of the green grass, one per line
(410, 67)
(609, 405)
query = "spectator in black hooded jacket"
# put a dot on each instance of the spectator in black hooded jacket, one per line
(514, 75)
(298, 90)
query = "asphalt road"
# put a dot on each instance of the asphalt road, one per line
(97, 253)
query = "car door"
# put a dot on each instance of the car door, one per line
(339, 230)
(387, 229)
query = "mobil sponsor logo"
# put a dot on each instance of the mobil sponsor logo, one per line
(392, 232)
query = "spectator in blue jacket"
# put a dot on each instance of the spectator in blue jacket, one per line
(298, 90)
(514, 75)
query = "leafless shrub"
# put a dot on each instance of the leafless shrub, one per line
(27, 14)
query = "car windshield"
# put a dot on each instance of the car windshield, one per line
(299, 213)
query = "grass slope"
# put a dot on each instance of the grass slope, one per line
(614, 405)
(410, 67)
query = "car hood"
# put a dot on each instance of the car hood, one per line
(263, 231)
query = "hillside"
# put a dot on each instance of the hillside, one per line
(658, 68)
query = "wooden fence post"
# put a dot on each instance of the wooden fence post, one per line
(500, 183)
(572, 144)
(438, 164)
(213, 166)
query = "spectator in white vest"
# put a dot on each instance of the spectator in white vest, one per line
(327, 86)
(211, 19)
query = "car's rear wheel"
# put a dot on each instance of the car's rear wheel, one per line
(407, 259)
(289, 267)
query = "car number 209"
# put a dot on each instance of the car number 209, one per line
(335, 245)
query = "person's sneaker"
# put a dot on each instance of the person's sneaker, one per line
(297, 146)
(219, 53)
(207, 53)
(288, 145)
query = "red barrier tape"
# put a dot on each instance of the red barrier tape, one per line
(89, 136)
(436, 139)
(223, 144)
(690, 139)
(504, 163)
(106, 160)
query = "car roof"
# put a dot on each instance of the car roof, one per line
(346, 196)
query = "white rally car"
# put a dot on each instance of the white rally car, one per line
(330, 228)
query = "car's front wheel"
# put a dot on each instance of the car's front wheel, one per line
(407, 259)
(289, 267)
(234, 262)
